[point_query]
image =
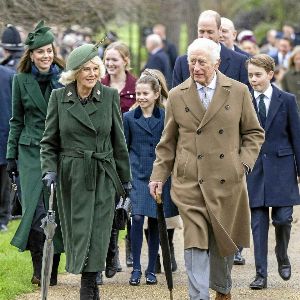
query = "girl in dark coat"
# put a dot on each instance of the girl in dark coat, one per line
(39, 72)
(143, 127)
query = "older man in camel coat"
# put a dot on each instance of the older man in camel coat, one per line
(212, 137)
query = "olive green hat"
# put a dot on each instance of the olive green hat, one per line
(40, 37)
(80, 55)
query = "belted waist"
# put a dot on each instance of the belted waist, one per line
(90, 164)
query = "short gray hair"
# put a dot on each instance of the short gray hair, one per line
(70, 76)
(209, 46)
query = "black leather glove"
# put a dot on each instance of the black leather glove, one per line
(127, 188)
(12, 168)
(48, 178)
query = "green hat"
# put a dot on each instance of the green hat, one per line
(40, 37)
(80, 55)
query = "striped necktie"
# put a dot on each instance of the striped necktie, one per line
(205, 99)
(262, 110)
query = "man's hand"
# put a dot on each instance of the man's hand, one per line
(155, 188)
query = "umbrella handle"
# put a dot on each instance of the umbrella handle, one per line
(171, 295)
(158, 198)
(51, 196)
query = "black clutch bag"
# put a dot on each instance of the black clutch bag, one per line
(122, 213)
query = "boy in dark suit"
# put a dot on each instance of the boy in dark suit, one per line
(273, 180)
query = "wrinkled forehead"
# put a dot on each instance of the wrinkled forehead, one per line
(200, 54)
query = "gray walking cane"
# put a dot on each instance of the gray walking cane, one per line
(49, 226)
(164, 243)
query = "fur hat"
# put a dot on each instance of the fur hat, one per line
(11, 39)
(40, 37)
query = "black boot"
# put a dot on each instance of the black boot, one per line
(173, 260)
(129, 262)
(88, 286)
(53, 278)
(99, 278)
(282, 233)
(96, 292)
(35, 245)
(111, 257)
(119, 267)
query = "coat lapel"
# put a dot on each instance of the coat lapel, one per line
(220, 97)
(156, 119)
(34, 91)
(77, 110)
(191, 99)
(138, 116)
(276, 101)
(225, 59)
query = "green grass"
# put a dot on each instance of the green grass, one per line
(15, 270)
(16, 267)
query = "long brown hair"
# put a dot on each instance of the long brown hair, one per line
(25, 63)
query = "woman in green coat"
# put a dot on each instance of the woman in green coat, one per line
(84, 152)
(39, 70)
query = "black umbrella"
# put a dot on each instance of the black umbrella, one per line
(164, 243)
(16, 208)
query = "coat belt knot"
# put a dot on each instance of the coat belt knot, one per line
(90, 164)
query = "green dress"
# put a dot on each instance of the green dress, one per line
(86, 146)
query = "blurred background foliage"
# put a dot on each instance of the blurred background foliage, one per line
(132, 19)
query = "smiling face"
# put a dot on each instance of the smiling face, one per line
(145, 96)
(114, 62)
(88, 76)
(259, 78)
(201, 67)
(42, 57)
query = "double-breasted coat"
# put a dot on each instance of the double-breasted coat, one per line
(142, 136)
(273, 181)
(86, 146)
(204, 150)
(29, 109)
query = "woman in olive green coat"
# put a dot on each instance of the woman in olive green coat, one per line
(83, 149)
(39, 73)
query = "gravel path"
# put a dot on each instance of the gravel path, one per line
(118, 288)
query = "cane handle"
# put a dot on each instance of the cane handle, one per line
(158, 198)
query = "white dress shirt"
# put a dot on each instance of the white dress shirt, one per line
(206, 93)
(267, 99)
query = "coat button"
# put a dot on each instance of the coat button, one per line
(201, 181)
(265, 155)
(199, 131)
(187, 109)
(151, 145)
(200, 156)
(221, 131)
(222, 181)
(221, 155)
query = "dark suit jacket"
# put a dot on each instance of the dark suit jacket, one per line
(232, 65)
(160, 61)
(239, 50)
(6, 76)
(273, 180)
